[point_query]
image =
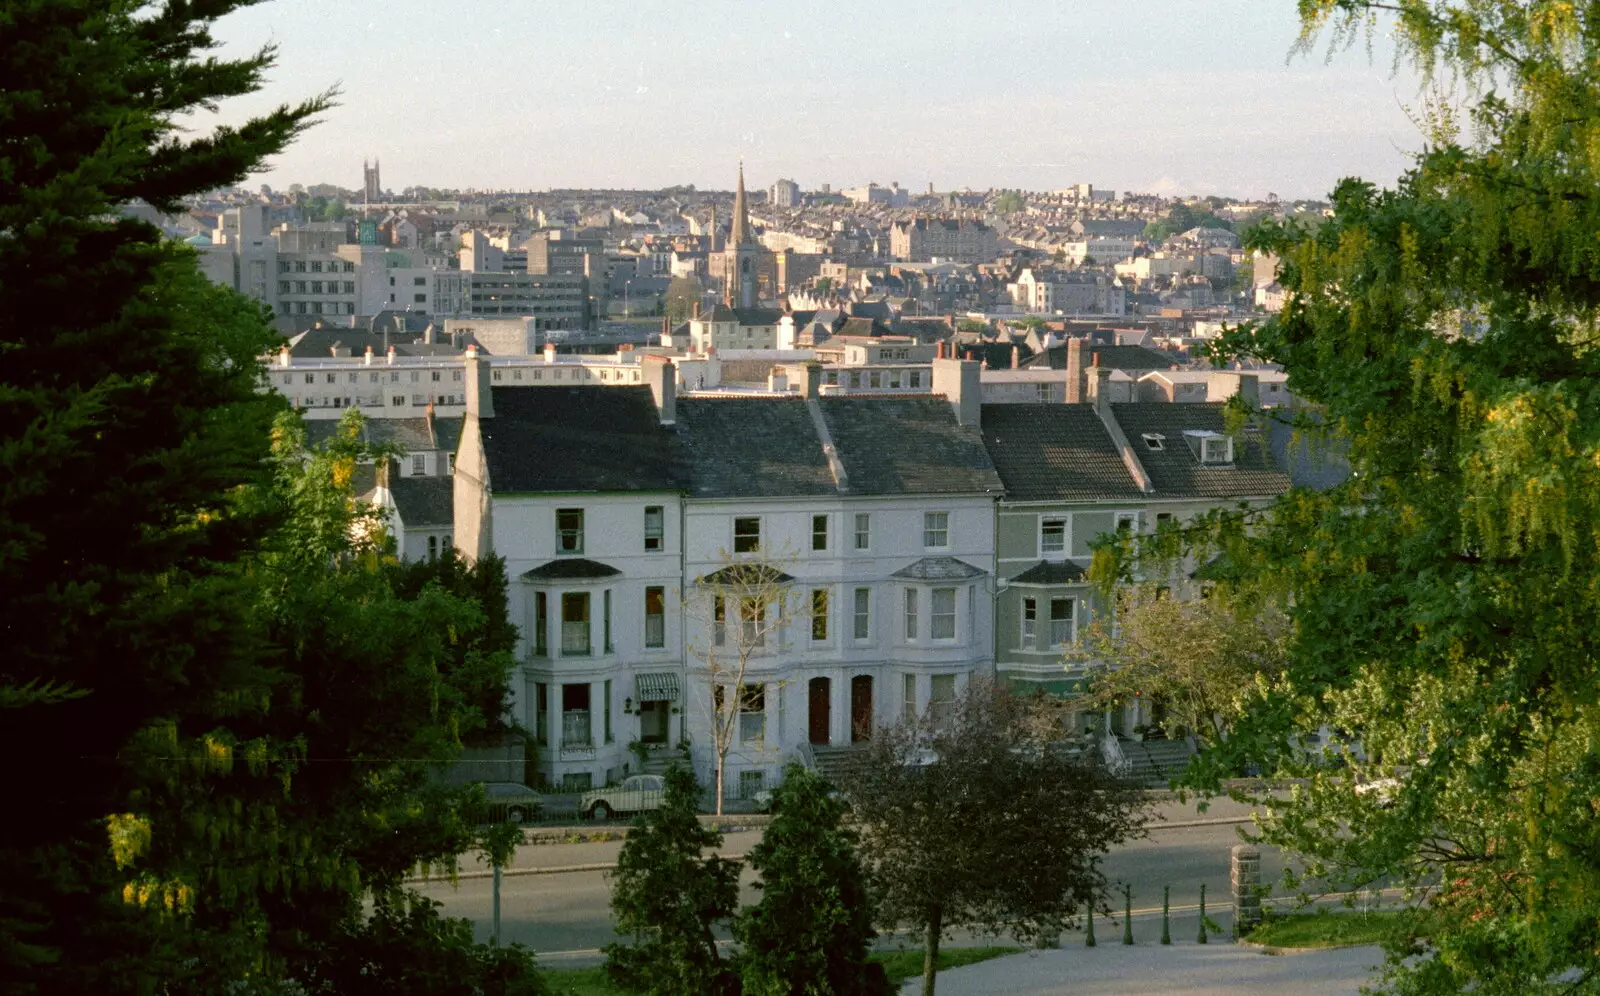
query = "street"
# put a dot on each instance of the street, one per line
(566, 916)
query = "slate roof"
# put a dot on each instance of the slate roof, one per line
(938, 569)
(423, 501)
(319, 343)
(1177, 472)
(1049, 452)
(757, 316)
(577, 439)
(1115, 357)
(570, 569)
(1052, 572)
(411, 433)
(750, 448)
(907, 446)
(738, 576)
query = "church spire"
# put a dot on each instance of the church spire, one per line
(741, 214)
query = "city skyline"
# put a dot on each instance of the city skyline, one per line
(532, 97)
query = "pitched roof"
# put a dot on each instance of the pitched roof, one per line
(1049, 452)
(769, 448)
(1177, 472)
(423, 501)
(1052, 572)
(413, 434)
(577, 439)
(750, 448)
(570, 569)
(756, 316)
(1115, 357)
(907, 446)
(938, 569)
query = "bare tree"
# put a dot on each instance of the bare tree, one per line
(742, 608)
(987, 816)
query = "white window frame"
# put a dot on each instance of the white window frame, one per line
(861, 615)
(1211, 460)
(913, 624)
(1132, 518)
(1046, 550)
(931, 531)
(935, 616)
(821, 534)
(863, 531)
(826, 599)
(660, 534)
(1030, 623)
(1071, 621)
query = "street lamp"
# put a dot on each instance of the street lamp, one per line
(627, 308)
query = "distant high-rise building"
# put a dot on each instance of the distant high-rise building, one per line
(785, 193)
(372, 190)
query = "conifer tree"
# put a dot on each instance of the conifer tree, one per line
(669, 897)
(810, 933)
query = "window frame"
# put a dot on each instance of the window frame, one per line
(863, 531)
(931, 531)
(821, 599)
(742, 543)
(1030, 622)
(935, 616)
(661, 596)
(1071, 619)
(1045, 523)
(861, 612)
(819, 533)
(563, 533)
(660, 533)
(913, 624)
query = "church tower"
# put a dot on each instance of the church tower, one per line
(739, 259)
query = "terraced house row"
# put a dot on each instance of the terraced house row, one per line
(919, 541)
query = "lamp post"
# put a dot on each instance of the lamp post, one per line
(627, 306)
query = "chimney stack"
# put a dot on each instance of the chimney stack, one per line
(549, 352)
(662, 377)
(389, 357)
(1016, 357)
(366, 360)
(1075, 370)
(283, 356)
(959, 381)
(480, 395)
(810, 380)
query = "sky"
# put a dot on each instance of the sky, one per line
(1157, 96)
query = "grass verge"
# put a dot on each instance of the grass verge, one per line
(1328, 929)
(900, 966)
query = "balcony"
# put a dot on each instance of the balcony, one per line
(576, 742)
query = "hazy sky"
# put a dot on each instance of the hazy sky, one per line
(1168, 96)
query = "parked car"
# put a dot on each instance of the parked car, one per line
(512, 802)
(636, 794)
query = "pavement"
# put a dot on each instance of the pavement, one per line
(1183, 969)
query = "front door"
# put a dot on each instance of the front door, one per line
(820, 696)
(860, 708)
(653, 722)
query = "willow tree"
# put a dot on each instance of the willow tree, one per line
(1444, 598)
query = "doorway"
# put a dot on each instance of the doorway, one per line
(653, 722)
(860, 708)
(821, 693)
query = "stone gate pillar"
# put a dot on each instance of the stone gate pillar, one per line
(1246, 881)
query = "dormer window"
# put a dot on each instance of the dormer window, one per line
(1210, 448)
(1155, 441)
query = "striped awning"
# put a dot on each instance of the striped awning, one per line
(658, 686)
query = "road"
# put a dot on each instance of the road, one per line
(566, 916)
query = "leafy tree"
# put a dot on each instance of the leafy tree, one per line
(683, 293)
(810, 933)
(824, 285)
(1180, 219)
(985, 818)
(334, 210)
(1443, 599)
(478, 666)
(670, 898)
(1200, 659)
(1009, 202)
(974, 326)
